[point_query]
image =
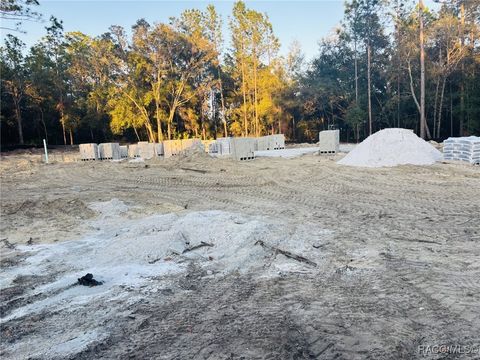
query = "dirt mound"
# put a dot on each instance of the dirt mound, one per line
(392, 147)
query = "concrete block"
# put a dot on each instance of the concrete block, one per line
(243, 148)
(206, 144)
(278, 141)
(159, 149)
(190, 143)
(224, 146)
(88, 152)
(146, 150)
(270, 142)
(123, 151)
(329, 141)
(171, 148)
(109, 151)
(133, 151)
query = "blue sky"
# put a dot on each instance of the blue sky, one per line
(305, 21)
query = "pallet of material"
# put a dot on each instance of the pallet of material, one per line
(109, 151)
(171, 148)
(133, 151)
(123, 151)
(159, 149)
(329, 141)
(188, 144)
(146, 150)
(462, 149)
(243, 148)
(88, 152)
(206, 144)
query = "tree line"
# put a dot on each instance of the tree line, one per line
(390, 63)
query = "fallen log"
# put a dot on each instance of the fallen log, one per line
(195, 247)
(286, 253)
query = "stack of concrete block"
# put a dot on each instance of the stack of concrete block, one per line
(188, 144)
(123, 151)
(462, 149)
(224, 146)
(277, 141)
(133, 151)
(243, 148)
(171, 148)
(88, 152)
(329, 141)
(270, 142)
(206, 144)
(109, 151)
(263, 143)
(159, 149)
(146, 150)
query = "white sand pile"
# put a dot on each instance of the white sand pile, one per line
(392, 147)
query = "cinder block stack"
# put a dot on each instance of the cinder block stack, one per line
(329, 141)
(224, 146)
(462, 149)
(159, 149)
(123, 151)
(243, 148)
(88, 152)
(133, 151)
(171, 148)
(109, 151)
(146, 150)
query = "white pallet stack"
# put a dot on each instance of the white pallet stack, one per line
(329, 141)
(243, 148)
(123, 151)
(171, 148)
(277, 141)
(88, 152)
(224, 146)
(109, 151)
(159, 149)
(462, 149)
(146, 150)
(188, 144)
(133, 151)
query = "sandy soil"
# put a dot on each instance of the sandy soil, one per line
(399, 269)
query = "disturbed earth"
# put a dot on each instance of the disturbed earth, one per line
(203, 258)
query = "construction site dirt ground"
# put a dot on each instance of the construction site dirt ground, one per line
(369, 263)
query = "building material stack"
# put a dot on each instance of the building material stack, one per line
(146, 150)
(123, 151)
(462, 149)
(109, 151)
(329, 141)
(188, 144)
(243, 148)
(88, 152)
(171, 148)
(159, 149)
(133, 151)
(223, 146)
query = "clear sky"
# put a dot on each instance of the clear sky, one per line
(305, 21)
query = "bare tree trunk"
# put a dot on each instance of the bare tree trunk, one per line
(257, 125)
(64, 134)
(18, 116)
(356, 73)
(245, 123)
(422, 72)
(441, 107)
(369, 57)
(462, 82)
(136, 133)
(71, 136)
